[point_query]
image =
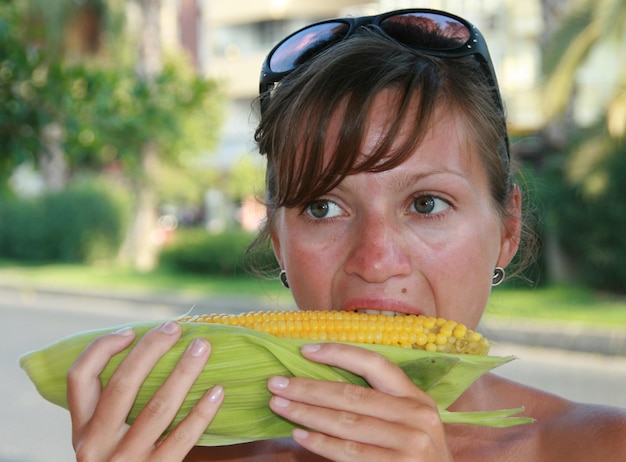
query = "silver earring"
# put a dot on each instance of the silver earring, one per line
(283, 279)
(498, 276)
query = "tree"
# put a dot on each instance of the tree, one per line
(587, 184)
(591, 24)
(71, 71)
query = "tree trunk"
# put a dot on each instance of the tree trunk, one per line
(554, 138)
(52, 161)
(141, 245)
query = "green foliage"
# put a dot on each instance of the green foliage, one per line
(246, 178)
(197, 251)
(590, 220)
(107, 113)
(85, 222)
(20, 119)
(590, 25)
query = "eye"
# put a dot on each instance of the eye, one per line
(323, 209)
(429, 205)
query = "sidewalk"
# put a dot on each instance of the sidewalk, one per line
(549, 335)
(553, 335)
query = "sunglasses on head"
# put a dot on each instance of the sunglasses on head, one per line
(432, 32)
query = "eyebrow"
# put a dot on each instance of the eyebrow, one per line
(401, 182)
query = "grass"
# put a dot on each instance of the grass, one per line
(124, 280)
(565, 304)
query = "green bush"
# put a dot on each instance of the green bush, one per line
(22, 232)
(591, 223)
(197, 251)
(84, 222)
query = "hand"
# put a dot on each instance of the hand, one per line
(99, 430)
(393, 420)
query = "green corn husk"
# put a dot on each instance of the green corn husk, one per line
(243, 359)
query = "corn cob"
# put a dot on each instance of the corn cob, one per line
(243, 359)
(411, 331)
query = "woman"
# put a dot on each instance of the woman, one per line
(389, 188)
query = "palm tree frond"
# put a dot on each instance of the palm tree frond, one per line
(616, 114)
(560, 83)
(611, 19)
(571, 27)
(586, 166)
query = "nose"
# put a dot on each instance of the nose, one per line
(378, 250)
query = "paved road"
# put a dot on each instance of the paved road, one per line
(32, 430)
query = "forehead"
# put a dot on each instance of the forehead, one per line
(445, 130)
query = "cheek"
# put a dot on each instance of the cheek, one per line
(311, 267)
(465, 282)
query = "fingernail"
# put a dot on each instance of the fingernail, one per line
(216, 393)
(311, 347)
(170, 327)
(278, 383)
(125, 331)
(198, 347)
(280, 402)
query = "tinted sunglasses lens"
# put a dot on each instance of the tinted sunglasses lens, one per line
(426, 30)
(298, 48)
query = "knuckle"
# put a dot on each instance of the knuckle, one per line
(74, 376)
(348, 418)
(187, 367)
(421, 442)
(356, 393)
(155, 407)
(202, 411)
(381, 362)
(431, 418)
(181, 436)
(352, 449)
(118, 385)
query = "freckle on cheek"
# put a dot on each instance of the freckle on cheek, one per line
(404, 290)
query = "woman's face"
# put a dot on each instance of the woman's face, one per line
(421, 238)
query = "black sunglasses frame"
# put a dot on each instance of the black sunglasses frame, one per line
(475, 45)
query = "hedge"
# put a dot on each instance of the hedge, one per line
(82, 223)
(198, 251)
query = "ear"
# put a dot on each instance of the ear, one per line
(512, 228)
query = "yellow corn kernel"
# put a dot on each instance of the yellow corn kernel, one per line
(412, 331)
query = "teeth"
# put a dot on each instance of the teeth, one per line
(386, 313)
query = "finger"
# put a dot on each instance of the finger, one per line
(348, 397)
(160, 410)
(83, 379)
(341, 450)
(340, 424)
(381, 373)
(190, 429)
(118, 396)
(356, 413)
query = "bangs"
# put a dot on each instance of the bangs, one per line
(324, 118)
(335, 148)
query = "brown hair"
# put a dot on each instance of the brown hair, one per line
(346, 78)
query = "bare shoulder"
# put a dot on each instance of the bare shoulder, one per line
(567, 430)
(563, 429)
(587, 432)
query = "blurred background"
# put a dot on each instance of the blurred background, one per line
(129, 181)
